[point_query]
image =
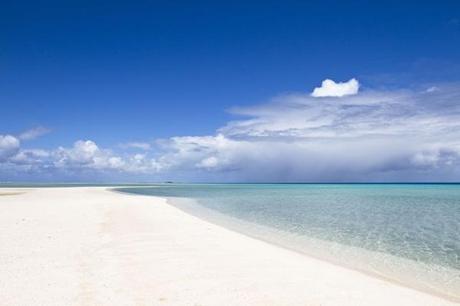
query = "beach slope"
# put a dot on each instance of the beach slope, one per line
(93, 246)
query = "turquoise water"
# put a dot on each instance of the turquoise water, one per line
(408, 233)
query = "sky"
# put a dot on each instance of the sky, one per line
(240, 91)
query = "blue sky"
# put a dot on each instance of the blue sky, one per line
(134, 77)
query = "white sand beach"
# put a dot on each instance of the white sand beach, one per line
(93, 246)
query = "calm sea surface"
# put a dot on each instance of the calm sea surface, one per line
(409, 233)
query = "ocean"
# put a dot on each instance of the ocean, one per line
(406, 233)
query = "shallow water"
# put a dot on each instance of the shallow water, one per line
(409, 233)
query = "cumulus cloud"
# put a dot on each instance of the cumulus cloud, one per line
(329, 88)
(397, 135)
(85, 157)
(377, 135)
(31, 157)
(34, 133)
(202, 152)
(269, 159)
(9, 146)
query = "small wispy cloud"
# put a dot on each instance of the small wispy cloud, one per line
(432, 89)
(34, 133)
(329, 88)
(137, 145)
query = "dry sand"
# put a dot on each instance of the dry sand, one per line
(92, 246)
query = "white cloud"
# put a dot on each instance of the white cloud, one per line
(373, 136)
(9, 146)
(31, 157)
(86, 154)
(378, 135)
(205, 152)
(432, 89)
(137, 145)
(33, 133)
(303, 116)
(329, 88)
(208, 163)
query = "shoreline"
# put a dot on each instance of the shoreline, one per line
(94, 245)
(232, 227)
